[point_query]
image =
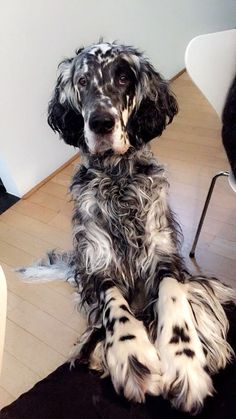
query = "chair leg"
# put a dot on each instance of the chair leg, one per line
(214, 179)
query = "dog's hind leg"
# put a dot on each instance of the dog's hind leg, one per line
(130, 357)
(207, 296)
(90, 349)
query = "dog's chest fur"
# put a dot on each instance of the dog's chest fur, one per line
(119, 217)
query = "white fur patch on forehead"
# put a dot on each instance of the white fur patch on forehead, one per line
(103, 47)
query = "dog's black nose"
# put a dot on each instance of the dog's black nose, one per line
(101, 123)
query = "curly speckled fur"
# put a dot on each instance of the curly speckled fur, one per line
(152, 327)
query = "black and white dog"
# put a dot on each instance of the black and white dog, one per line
(152, 326)
(229, 127)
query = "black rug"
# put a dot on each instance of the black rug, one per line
(80, 394)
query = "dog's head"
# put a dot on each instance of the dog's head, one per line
(109, 97)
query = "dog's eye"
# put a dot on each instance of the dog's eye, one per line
(82, 81)
(123, 79)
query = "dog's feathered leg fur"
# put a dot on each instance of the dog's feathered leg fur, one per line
(206, 296)
(191, 338)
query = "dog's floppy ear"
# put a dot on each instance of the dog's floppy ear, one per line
(155, 107)
(63, 114)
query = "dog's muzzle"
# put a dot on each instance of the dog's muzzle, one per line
(101, 122)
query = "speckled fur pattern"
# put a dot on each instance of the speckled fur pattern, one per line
(152, 327)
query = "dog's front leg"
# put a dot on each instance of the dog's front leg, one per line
(131, 359)
(186, 381)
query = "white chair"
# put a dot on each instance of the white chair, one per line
(3, 312)
(210, 61)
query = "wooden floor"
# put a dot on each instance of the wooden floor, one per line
(42, 323)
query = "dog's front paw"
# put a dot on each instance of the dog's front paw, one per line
(186, 382)
(132, 360)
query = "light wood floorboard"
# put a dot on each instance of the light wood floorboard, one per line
(42, 322)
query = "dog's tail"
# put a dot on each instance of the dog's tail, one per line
(55, 266)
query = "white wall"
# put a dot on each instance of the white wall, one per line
(36, 35)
